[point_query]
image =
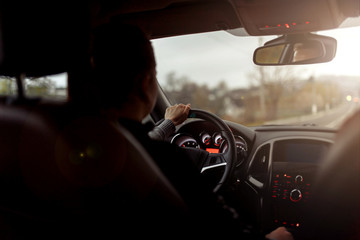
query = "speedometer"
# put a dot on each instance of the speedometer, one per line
(190, 144)
(186, 141)
(241, 148)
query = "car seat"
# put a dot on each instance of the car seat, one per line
(85, 177)
(334, 211)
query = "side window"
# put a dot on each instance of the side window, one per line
(7, 86)
(53, 86)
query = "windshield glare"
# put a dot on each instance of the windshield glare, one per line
(214, 71)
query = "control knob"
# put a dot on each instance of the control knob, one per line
(299, 179)
(295, 195)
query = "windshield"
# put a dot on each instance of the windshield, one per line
(214, 71)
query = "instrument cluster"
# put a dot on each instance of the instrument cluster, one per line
(212, 142)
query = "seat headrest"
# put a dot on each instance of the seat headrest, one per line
(41, 39)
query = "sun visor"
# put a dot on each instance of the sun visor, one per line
(278, 17)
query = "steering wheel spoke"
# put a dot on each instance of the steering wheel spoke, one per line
(213, 160)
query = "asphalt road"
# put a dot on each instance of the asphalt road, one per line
(332, 118)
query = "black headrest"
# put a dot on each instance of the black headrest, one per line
(41, 39)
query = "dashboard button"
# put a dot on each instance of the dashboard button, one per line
(299, 179)
(295, 195)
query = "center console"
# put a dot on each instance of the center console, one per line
(294, 163)
(290, 190)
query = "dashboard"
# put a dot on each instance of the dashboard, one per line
(275, 169)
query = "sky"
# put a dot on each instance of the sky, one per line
(59, 79)
(212, 57)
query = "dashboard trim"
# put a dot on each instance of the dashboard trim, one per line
(256, 183)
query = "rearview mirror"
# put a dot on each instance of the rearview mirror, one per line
(296, 49)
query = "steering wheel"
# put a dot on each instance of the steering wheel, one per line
(228, 158)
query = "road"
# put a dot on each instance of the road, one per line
(332, 118)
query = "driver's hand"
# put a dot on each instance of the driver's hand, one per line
(280, 234)
(177, 113)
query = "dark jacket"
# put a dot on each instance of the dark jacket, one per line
(209, 215)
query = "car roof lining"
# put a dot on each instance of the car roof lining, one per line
(37, 47)
(196, 17)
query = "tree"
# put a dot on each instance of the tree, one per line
(219, 99)
(7, 85)
(272, 82)
(39, 86)
(184, 90)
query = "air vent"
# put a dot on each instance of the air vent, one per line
(259, 166)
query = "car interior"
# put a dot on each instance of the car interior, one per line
(66, 173)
